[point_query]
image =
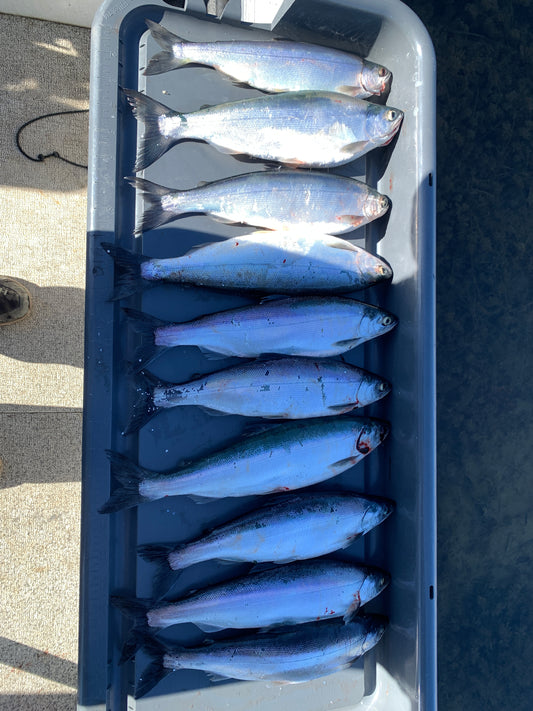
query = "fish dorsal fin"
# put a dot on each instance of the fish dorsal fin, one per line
(257, 428)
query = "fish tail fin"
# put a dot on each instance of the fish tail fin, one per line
(146, 325)
(156, 553)
(156, 214)
(129, 475)
(171, 44)
(133, 607)
(128, 271)
(166, 575)
(153, 142)
(155, 671)
(144, 408)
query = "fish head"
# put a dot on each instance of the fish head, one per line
(372, 388)
(373, 269)
(374, 626)
(378, 322)
(374, 78)
(375, 582)
(376, 512)
(375, 205)
(382, 123)
(370, 435)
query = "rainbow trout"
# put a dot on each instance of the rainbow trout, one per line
(283, 595)
(289, 528)
(312, 326)
(300, 654)
(285, 388)
(285, 457)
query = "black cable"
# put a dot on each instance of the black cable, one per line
(54, 154)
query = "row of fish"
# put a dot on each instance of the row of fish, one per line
(313, 117)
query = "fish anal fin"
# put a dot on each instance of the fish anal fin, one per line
(343, 464)
(349, 343)
(216, 678)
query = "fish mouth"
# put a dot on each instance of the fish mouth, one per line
(377, 81)
(395, 125)
(376, 207)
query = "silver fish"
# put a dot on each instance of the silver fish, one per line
(287, 389)
(299, 654)
(293, 527)
(313, 326)
(273, 65)
(282, 458)
(284, 595)
(285, 262)
(319, 129)
(278, 200)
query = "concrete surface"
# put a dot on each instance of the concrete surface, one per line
(72, 12)
(42, 226)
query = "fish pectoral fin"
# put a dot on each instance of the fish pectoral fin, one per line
(351, 611)
(349, 343)
(343, 464)
(354, 148)
(347, 89)
(272, 297)
(208, 628)
(350, 540)
(343, 407)
(354, 220)
(342, 244)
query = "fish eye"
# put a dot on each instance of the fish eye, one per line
(382, 270)
(382, 387)
(383, 201)
(386, 321)
(391, 115)
(382, 71)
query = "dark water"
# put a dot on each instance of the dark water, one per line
(484, 357)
